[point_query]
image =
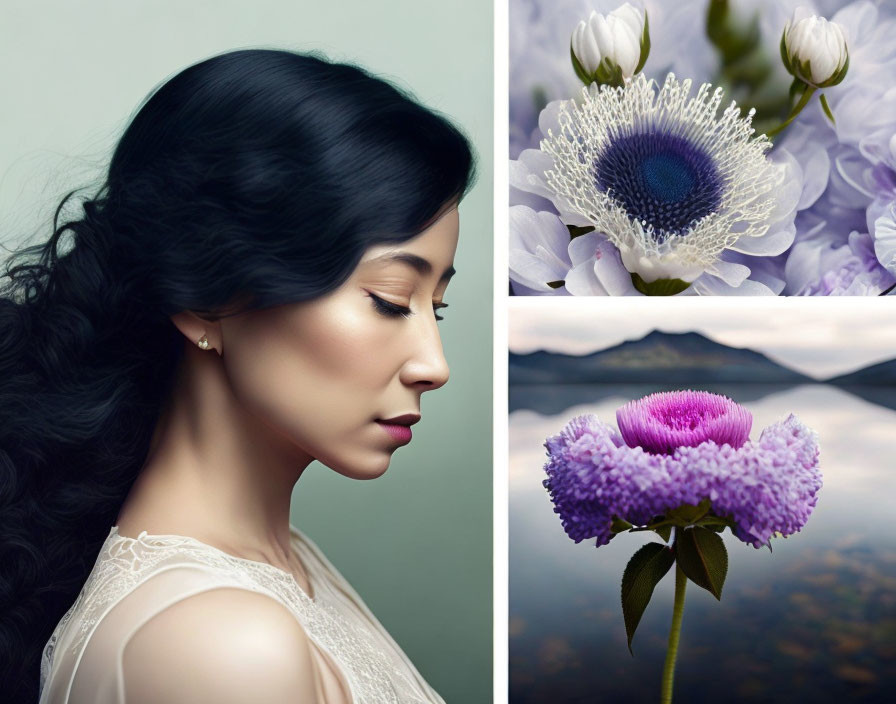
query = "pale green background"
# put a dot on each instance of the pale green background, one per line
(417, 542)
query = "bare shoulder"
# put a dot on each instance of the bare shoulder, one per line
(225, 645)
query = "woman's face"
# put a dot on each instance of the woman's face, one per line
(326, 373)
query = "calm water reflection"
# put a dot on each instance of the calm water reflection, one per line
(815, 621)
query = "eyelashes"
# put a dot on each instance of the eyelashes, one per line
(392, 310)
(387, 308)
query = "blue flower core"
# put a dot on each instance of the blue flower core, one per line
(660, 178)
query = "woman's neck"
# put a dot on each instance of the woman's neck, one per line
(215, 472)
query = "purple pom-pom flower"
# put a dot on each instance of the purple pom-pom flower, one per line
(682, 448)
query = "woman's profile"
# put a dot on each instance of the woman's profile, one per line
(256, 285)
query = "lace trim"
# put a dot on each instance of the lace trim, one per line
(373, 676)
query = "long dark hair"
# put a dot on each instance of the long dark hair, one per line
(251, 179)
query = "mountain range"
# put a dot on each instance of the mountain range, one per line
(660, 361)
(659, 357)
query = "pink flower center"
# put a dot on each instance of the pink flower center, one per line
(662, 422)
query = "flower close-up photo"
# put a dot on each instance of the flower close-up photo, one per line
(710, 147)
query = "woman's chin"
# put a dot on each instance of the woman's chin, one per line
(368, 468)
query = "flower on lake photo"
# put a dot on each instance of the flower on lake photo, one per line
(681, 465)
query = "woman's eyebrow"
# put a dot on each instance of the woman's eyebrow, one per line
(419, 264)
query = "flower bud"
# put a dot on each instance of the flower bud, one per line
(611, 49)
(814, 50)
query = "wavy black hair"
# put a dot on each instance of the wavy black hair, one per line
(254, 178)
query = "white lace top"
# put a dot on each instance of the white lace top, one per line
(136, 578)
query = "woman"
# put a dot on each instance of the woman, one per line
(253, 288)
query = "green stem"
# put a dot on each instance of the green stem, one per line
(827, 109)
(804, 100)
(672, 651)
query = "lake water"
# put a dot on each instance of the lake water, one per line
(814, 621)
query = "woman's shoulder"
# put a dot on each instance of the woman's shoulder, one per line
(140, 585)
(226, 645)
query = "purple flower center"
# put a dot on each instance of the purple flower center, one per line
(661, 179)
(662, 422)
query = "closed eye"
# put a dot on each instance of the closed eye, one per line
(392, 310)
(389, 309)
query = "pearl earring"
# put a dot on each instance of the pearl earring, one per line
(203, 342)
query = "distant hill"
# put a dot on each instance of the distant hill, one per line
(875, 383)
(883, 374)
(657, 358)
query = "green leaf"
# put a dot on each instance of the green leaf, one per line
(687, 514)
(840, 75)
(619, 525)
(665, 532)
(642, 573)
(702, 556)
(609, 74)
(660, 287)
(837, 77)
(784, 55)
(717, 523)
(645, 45)
(804, 69)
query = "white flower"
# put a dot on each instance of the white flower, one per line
(596, 268)
(542, 253)
(538, 251)
(814, 50)
(669, 183)
(613, 48)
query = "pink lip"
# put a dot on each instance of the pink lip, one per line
(402, 433)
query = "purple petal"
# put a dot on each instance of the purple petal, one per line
(662, 422)
(765, 487)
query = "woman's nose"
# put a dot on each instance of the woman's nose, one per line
(427, 367)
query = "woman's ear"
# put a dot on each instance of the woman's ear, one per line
(193, 328)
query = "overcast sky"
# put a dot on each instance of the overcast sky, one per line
(818, 336)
